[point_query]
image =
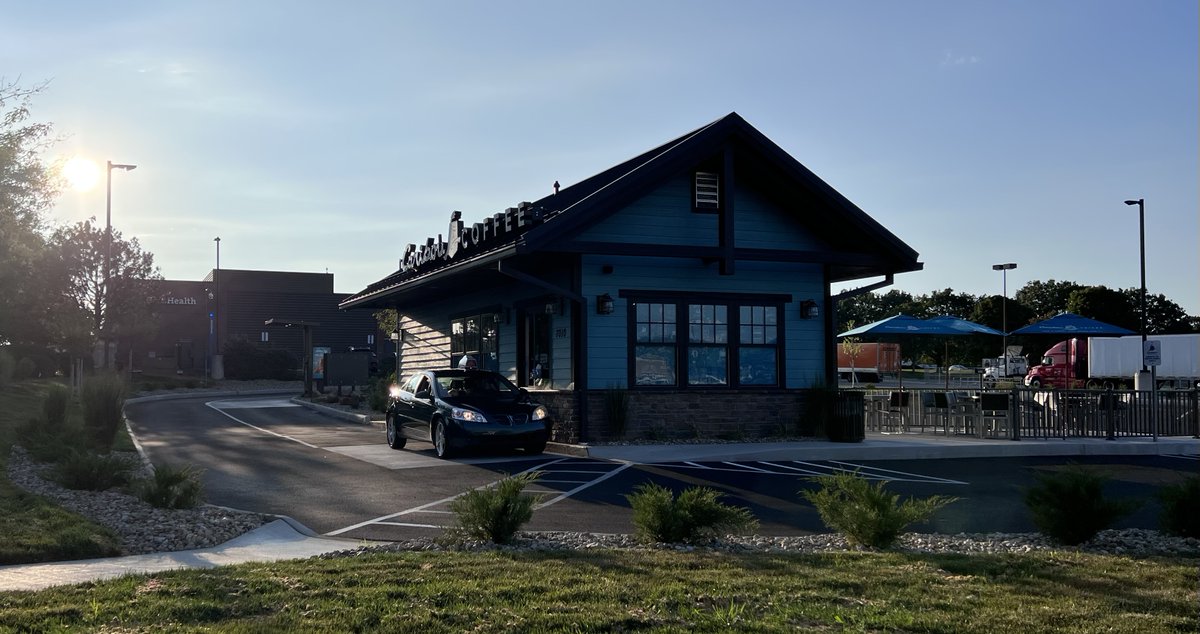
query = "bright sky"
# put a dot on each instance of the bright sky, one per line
(326, 136)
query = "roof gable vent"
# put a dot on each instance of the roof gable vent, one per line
(708, 195)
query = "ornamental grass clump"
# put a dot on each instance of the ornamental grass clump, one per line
(867, 514)
(54, 407)
(1181, 508)
(87, 471)
(494, 513)
(1069, 506)
(659, 516)
(103, 397)
(172, 488)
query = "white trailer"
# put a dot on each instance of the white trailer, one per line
(1115, 360)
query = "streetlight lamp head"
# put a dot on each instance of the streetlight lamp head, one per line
(122, 166)
(1134, 202)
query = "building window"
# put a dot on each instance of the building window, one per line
(654, 352)
(758, 345)
(728, 343)
(476, 336)
(707, 196)
(708, 344)
(264, 336)
(370, 340)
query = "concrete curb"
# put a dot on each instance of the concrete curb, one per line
(361, 419)
(171, 396)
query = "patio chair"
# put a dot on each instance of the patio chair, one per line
(895, 416)
(994, 414)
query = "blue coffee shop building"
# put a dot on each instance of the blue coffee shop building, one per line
(691, 281)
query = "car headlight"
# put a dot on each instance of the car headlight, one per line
(468, 415)
(540, 412)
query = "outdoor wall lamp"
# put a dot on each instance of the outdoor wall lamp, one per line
(809, 309)
(604, 304)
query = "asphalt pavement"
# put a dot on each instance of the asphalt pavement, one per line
(287, 539)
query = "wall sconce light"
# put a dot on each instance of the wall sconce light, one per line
(397, 335)
(809, 309)
(554, 307)
(604, 304)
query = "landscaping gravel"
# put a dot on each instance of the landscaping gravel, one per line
(141, 527)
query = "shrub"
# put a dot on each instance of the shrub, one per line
(1181, 508)
(495, 513)
(1070, 506)
(103, 397)
(377, 398)
(54, 408)
(866, 513)
(87, 471)
(8, 366)
(658, 516)
(172, 488)
(26, 369)
(49, 444)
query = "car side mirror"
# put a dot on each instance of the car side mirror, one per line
(523, 392)
(422, 394)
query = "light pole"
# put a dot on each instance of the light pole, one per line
(1141, 205)
(108, 241)
(1004, 269)
(218, 365)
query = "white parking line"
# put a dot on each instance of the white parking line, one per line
(418, 509)
(783, 466)
(265, 431)
(746, 466)
(920, 478)
(410, 525)
(584, 486)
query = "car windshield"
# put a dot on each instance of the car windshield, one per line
(475, 384)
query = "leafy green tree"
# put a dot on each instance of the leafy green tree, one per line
(27, 189)
(1163, 316)
(1046, 299)
(947, 302)
(1105, 304)
(126, 311)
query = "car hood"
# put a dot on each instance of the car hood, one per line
(506, 407)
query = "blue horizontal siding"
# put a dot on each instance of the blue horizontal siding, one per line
(762, 224)
(607, 337)
(663, 216)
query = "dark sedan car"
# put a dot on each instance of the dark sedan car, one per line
(456, 409)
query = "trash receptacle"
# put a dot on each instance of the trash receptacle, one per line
(847, 423)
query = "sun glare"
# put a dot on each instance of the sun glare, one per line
(82, 174)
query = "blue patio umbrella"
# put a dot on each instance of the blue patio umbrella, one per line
(905, 325)
(902, 325)
(964, 326)
(1072, 325)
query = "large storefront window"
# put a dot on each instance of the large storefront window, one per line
(728, 343)
(476, 336)
(654, 352)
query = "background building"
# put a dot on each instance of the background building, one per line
(194, 319)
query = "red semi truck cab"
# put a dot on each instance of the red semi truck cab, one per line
(1063, 366)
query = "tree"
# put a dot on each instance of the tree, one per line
(1163, 316)
(27, 189)
(947, 302)
(1046, 299)
(1104, 304)
(126, 311)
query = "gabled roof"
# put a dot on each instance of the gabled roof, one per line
(578, 206)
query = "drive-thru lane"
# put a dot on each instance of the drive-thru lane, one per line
(266, 454)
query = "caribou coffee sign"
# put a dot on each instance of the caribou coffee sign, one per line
(464, 240)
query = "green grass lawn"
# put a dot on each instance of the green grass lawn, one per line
(621, 591)
(32, 528)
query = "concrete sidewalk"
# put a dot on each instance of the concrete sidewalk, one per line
(287, 539)
(277, 540)
(913, 446)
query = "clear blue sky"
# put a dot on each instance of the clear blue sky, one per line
(313, 136)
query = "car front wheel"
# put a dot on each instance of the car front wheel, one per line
(395, 439)
(441, 444)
